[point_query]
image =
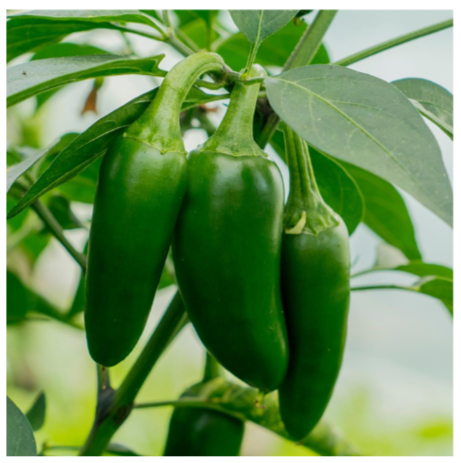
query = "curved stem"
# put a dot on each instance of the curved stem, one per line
(114, 407)
(44, 213)
(212, 368)
(394, 42)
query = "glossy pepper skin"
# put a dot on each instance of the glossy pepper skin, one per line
(202, 432)
(315, 291)
(141, 185)
(227, 246)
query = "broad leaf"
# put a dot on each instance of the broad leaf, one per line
(337, 187)
(36, 413)
(274, 51)
(239, 402)
(29, 79)
(385, 211)
(256, 25)
(431, 100)
(365, 121)
(93, 143)
(20, 441)
(437, 287)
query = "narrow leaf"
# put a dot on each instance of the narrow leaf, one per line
(386, 211)
(438, 287)
(29, 79)
(20, 441)
(256, 25)
(36, 414)
(431, 100)
(365, 121)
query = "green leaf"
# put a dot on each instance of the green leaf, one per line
(78, 303)
(256, 25)
(20, 441)
(197, 31)
(336, 186)
(238, 401)
(423, 269)
(29, 79)
(92, 16)
(60, 50)
(438, 287)
(36, 413)
(19, 300)
(62, 212)
(93, 143)
(386, 212)
(274, 51)
(431, 100)
(120, 450)
(30, 33)
(363, 120)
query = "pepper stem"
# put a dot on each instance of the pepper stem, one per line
(234, 136)
(159, 125)
(306, 211)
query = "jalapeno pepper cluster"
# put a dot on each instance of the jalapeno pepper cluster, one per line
(265, 286)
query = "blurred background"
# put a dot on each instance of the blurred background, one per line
(394, 395)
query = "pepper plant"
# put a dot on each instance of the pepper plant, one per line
(267, 290)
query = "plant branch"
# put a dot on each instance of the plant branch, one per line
(114, 407)
(394, 42)
(53, 225)
(310, 41)
(366, 288)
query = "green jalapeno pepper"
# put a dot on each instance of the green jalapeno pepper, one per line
(140, 190)
(315, 292)
(226, 248)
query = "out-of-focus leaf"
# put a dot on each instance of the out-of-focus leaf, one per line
(197, 31)
(437, 287)
(78, 303)
(36, 413)
(35, 77)
(363, 120)
(62, 212)
(120, 450)
(274, 51)
(93, 143)
(386, 212)
(257, 25)
(431, 100)
(20, 441)
(19, 300)
(336, 186)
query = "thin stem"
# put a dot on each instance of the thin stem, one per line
(114, 407)
(310, 41)
(44, 213)
(394, 42)
(366, 288)
(187, 40)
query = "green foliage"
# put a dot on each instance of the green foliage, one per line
(20, 441)
(36, 413)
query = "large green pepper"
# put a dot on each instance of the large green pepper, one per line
(140, 189)
(315, 291)
(227, 246)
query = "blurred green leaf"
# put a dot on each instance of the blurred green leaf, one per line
(62, 212)
(93, 143)
(120, 450)
(438, 287)
(386, 212)
(36, 413)
(274, 51)
(257, 25)
(20, 441)
(363, 120)
(29, 79)
(431, 100)
(196, 30)
(19, 300)
(336, 186)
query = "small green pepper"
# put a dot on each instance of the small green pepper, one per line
(226, 248)
(315, 291)
(141, 185)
